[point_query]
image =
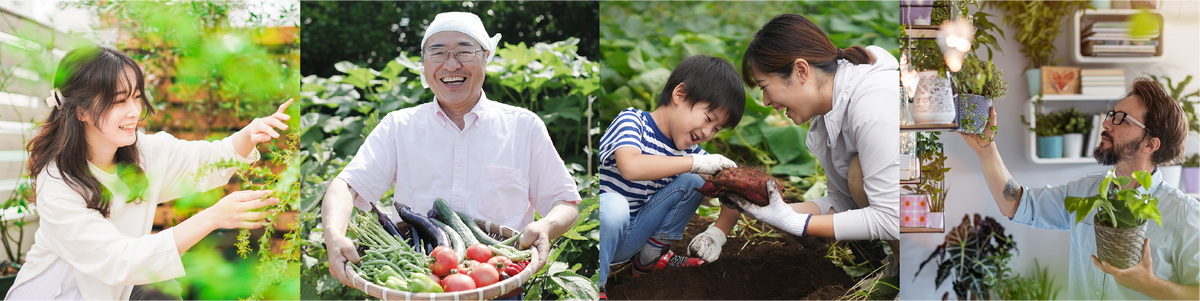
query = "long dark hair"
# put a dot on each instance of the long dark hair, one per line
(88, 79)
(787, 37)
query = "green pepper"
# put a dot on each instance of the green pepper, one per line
(422, 283)
(387, 272)
(397, 283)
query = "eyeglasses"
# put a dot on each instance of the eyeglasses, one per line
(1118, 117)
(462, 54)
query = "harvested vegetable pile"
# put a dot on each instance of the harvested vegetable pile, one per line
(445, 251)
(790, 267)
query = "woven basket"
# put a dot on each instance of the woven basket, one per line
(1120, 247)
(483, 293)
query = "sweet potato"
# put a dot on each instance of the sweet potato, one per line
(749, 183)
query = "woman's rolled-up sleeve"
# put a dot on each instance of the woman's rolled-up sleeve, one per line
(94, 246)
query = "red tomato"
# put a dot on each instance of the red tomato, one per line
(479, 252)
(503, 261)
(485, 275)
(444, 260)
(467, 266)
(435, 278)
(457, 282)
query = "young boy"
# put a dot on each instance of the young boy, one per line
(649, 163)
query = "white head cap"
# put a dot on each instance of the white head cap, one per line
(466, 23)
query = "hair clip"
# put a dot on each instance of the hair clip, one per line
(54, 99)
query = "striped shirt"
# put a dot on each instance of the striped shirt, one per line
(635, 128)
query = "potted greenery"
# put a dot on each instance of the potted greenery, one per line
(1049, 132)
(1037, 24)
(1120, 217)
(1191, 174)
(933, 102)
(979, 83)
(14, 216)
(1075, 125)
(933, 177)
(968, 256)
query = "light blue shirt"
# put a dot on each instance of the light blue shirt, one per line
(1175, 246)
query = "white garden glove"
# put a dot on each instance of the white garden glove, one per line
(776, 213)
(710, 164)
(707, 245)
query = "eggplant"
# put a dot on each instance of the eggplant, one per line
(433, 235)
(386, 221)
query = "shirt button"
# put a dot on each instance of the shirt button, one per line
(458, 169)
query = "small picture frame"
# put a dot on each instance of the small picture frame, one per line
(1060, 80)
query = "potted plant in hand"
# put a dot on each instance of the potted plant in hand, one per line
(1049, 132)
(1075, 125)
(1191, 174)
(979, 83)
(1037, 24)
(1120, 218)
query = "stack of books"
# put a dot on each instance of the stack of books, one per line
(1102, 81)
(1108, 39)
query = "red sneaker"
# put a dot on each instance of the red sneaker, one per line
(603, 296)
(668, 259)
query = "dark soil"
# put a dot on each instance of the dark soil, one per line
(790, 267)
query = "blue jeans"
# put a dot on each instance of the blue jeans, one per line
(664, 217)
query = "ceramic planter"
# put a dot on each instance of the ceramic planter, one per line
(1120, 247)
(1034, 77)
(936, 220)
(1050, 147)
(1072, 145)
(1191, 179)
(933, 103)
(972, 112)
(913, 210)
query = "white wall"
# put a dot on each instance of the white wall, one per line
(968, 192)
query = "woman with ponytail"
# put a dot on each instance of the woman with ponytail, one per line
(849, 95)
(97, 181)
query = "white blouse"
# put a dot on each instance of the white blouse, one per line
(106, 257)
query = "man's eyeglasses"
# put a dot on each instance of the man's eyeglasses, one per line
(1118, 117)
(440, 54)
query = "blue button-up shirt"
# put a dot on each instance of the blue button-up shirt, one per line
(1175, 246)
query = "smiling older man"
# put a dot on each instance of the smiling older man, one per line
(490, 160)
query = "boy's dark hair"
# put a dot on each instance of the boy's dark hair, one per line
(708, 79)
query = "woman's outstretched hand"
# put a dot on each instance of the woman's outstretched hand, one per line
(263, 129)
(233, 211)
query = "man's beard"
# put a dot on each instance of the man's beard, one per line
(1116, 152)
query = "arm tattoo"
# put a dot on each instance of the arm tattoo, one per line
(1012, 192)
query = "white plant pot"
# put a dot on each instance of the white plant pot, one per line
(936, 220)
(1072, 145)
(933, 103)
(1171, 174)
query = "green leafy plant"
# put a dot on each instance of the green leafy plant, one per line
(1124, 208)
(1075, 122)
(933, 171)
(1192, 161)
(1048, 125)
(1009, 285)
(1038, 25)
(968, 256)
(980, 77)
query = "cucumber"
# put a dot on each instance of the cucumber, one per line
(433, 235)
(451, 218)
(455, 240)
(479, 233)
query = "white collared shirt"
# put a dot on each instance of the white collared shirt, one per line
(862, 122)
(501, 166)
(108, 256)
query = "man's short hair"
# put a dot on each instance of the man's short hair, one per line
(708, 79)
(1164, 118)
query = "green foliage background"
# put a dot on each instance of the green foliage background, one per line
(642, 41)
(370, 33)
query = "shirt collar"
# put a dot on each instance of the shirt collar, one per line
(471, 118)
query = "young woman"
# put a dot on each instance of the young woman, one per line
(97, 181)
(850, 97)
